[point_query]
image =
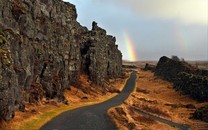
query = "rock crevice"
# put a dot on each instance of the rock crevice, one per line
(43, 49)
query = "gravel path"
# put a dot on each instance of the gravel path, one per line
(91, 117)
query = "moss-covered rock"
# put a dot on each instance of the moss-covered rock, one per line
(3, 39)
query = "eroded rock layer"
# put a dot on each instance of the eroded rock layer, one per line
(43, 49)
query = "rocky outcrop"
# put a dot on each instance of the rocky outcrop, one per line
(194, 85)
(43, 49)
(101, 58)
(190, 80)
(168, 68)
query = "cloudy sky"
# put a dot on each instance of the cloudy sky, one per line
(149, 29)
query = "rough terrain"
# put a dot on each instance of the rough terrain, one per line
(92, 117)
(43, 49)
(191, 80)
(156, 97)
(77, 95)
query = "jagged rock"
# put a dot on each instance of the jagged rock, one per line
(8, 82)
(168, 68)
(189, 79)
(101, 58)
(43, 49)
(194, 85)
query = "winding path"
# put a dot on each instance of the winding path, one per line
(91, 117)
(95, 117)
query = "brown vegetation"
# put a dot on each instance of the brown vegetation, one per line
(126, 118)
(83, 92)
(157, 97)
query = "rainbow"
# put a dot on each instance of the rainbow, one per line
(130, 47)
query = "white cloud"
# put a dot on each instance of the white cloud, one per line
(187, 11)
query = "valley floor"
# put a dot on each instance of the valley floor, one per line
(83, 93)
(156, 97)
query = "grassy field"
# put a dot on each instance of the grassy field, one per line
(158, 98)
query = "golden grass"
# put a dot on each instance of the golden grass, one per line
(153, 110)
(119, 119)
(125, 118)
(40, 120)
(44, 112)
(152, 96)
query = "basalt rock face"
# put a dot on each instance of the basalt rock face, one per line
(168, 68)
(100, 56)
(194, 85)
(43, 49)
(189, 79)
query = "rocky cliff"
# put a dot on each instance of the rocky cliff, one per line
(189, 79)
(43, 49)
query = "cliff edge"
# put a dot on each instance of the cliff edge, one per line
(43, 49)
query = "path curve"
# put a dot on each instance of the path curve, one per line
(92, 117)
(170, 123)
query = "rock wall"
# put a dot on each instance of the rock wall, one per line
(189, 79)
(43, 49)
(100, 56)
(194, 85)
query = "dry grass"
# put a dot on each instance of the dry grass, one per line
(157, 97)
(125, 118)
(162, 92)
(142, 91)
(139, 118)
(152, 109)
(82, 94)
(144, 119)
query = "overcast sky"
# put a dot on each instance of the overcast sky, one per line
(155, 27)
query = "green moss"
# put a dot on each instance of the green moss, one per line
(1, 33)
(4, 53)
(6, 56)
(2, 39)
